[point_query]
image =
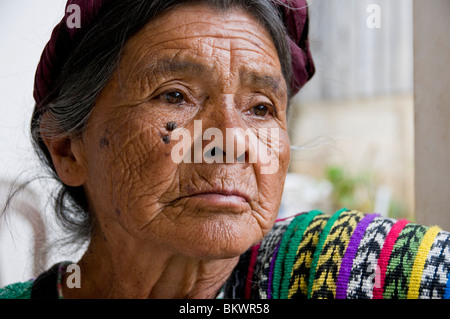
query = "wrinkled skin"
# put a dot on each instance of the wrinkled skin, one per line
(155, 236)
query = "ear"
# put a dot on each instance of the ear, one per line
(68, 159)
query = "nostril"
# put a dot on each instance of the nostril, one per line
(215, 151)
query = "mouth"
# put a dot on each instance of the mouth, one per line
(219, 197)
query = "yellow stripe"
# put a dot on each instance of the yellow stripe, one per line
(334, 249)
(305, 257)
(419, 262)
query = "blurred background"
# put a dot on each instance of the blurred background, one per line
(353, 122)
(25, 28)
(351, 126)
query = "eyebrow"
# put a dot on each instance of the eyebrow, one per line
(258, 80)
(246, 77)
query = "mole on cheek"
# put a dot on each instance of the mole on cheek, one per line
(104, 142)
(171, 126)
(166, 139)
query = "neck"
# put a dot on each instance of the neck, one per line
(134, 270)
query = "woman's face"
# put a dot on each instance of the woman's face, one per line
(190, 70)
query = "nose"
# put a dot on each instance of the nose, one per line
(226, 139)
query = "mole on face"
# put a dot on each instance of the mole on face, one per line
(166, 139)
(171, 126)
(104, 141)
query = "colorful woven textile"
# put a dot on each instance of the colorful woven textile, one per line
(20, 290)
(348, 255)
(361, 282)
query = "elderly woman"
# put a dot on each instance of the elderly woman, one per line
(124, 102)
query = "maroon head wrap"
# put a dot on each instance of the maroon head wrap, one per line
(64, 39)
(295, 13)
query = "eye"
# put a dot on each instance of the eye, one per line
(174, 97)
(260, 110)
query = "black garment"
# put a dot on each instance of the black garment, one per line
(44, 287)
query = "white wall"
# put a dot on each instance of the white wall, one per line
(357, 112)
(432, 111)
(25, 27)
(353, 60)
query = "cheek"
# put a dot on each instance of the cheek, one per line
(130, 166)
(271, 179)
(285, 151)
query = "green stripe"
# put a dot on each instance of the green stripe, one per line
(278, 269)
(292, 251)
(18, 290)
(323, 236)
(401, 261)
(302, 265)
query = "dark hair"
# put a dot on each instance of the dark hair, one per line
(89, 68)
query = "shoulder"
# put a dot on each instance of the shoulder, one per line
(45, 286)
(348, 254)
(19, 290)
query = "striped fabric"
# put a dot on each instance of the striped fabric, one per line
(362, 280)
(330, 256)
(348, 255)
(260, 288)
(434, 275)
(299, 277)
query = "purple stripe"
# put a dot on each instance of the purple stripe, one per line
(350, 253)
(271, 271)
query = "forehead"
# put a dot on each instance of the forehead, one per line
(232, 40)
(202, 20)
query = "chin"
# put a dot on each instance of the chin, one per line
(223, 239)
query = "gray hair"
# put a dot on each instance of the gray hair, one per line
(89, 68)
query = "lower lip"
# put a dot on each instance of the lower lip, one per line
(220, 199)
